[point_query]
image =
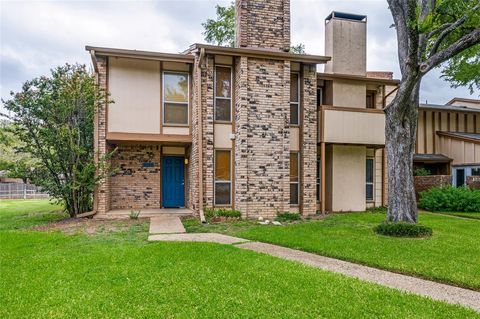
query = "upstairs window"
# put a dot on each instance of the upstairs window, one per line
(370, 99)
(369, 179)
(294, 177)
(223, 93)
(294, 99)
(223, 179)
(175, 98)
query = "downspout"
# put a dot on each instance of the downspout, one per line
(199, 137)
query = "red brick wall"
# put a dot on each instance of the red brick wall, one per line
(473, 182)
(423, 183)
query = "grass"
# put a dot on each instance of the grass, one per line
(475, 215)
(113, 275)
(451, 255)
(18, 214)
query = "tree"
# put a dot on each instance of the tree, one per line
(221, 31)
(464, 69)
(52, 117)
(429, 33)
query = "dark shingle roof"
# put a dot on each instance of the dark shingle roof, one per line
(456, 108)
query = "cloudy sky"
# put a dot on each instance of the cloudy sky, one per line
(38, 35)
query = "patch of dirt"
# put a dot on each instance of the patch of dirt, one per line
(90, 226)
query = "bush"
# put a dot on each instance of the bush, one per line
(217, 212)
(377, 209)
(450, 199)
(403, 230)
(421, 172)
(287, 216)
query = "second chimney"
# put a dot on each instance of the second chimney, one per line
(346, 43)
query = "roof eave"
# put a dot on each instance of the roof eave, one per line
(144, 55)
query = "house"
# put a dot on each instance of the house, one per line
(253, 127)
(448, 139)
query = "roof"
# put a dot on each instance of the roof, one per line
(344, 15)
(468, 137)
(461, 99)
(148, 55)
(260, 53)
(431, 158)
(333, 76)
(456, 108)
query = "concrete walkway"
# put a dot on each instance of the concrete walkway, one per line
(434, 290)
(166, 224)
(170, 228)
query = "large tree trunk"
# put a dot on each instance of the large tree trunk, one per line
(401, 131)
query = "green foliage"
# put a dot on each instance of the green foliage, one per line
(299, 48)
(421, 172)
(287, 216)
(218, 212)
(402, 230)
(464, 69)
(134, 214)
(221, 31)
(450, 199)
(52, 118)
(377, 209)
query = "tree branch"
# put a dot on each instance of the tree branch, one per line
(461, 44)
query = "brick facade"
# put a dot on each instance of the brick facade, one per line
(473, 182)
(132, 185)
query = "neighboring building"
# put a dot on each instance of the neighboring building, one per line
(255, 127)
(448, 139)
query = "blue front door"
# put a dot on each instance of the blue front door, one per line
(173, 181)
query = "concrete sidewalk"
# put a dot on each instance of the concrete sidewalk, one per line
(166, 224)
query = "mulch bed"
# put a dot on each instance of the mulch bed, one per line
(90, 226)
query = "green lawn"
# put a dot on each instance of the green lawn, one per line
(461, 214)
(451, 255)
(16, 214)
(118, 275)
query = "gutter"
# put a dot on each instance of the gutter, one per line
(199, 137)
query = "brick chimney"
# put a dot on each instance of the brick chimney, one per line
(263, 24)
(346, 43)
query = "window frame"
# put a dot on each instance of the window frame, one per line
(215, 97)
(318, 178)
(224, 182)
(373, 179)
(374, 99)
(173, 102)
(298, 102)
(297, 182)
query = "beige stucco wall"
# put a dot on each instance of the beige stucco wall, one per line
(467, 103)
(345, 42)
(346, 178)
(222, 135)
(348, 93)
(175, 130)
(135, 88)
(462, 152)
(354, 127)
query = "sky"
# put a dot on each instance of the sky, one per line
(36, 36)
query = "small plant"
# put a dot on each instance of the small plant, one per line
(221, 213)
(287, 216)
(421, 172)
(403, 230)
(450, 199)
(134, 214)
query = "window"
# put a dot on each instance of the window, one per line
(369, 180)
(476, 171)
(460, 177)
(319, 98)
(223, 93)
(294, 177)
(223, 182)
(294, 99)
(175, 98)
(370, 99)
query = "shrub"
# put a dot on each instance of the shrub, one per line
(450, 199)
(377, 209)
(287, 216)
(216, 212)
(421, 172)
(134, 214)
(403, 230)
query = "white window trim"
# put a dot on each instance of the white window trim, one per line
(298, 180)
(297, 103)
(373, 179)
(215, 97)
(215, 182)
(179, 103)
